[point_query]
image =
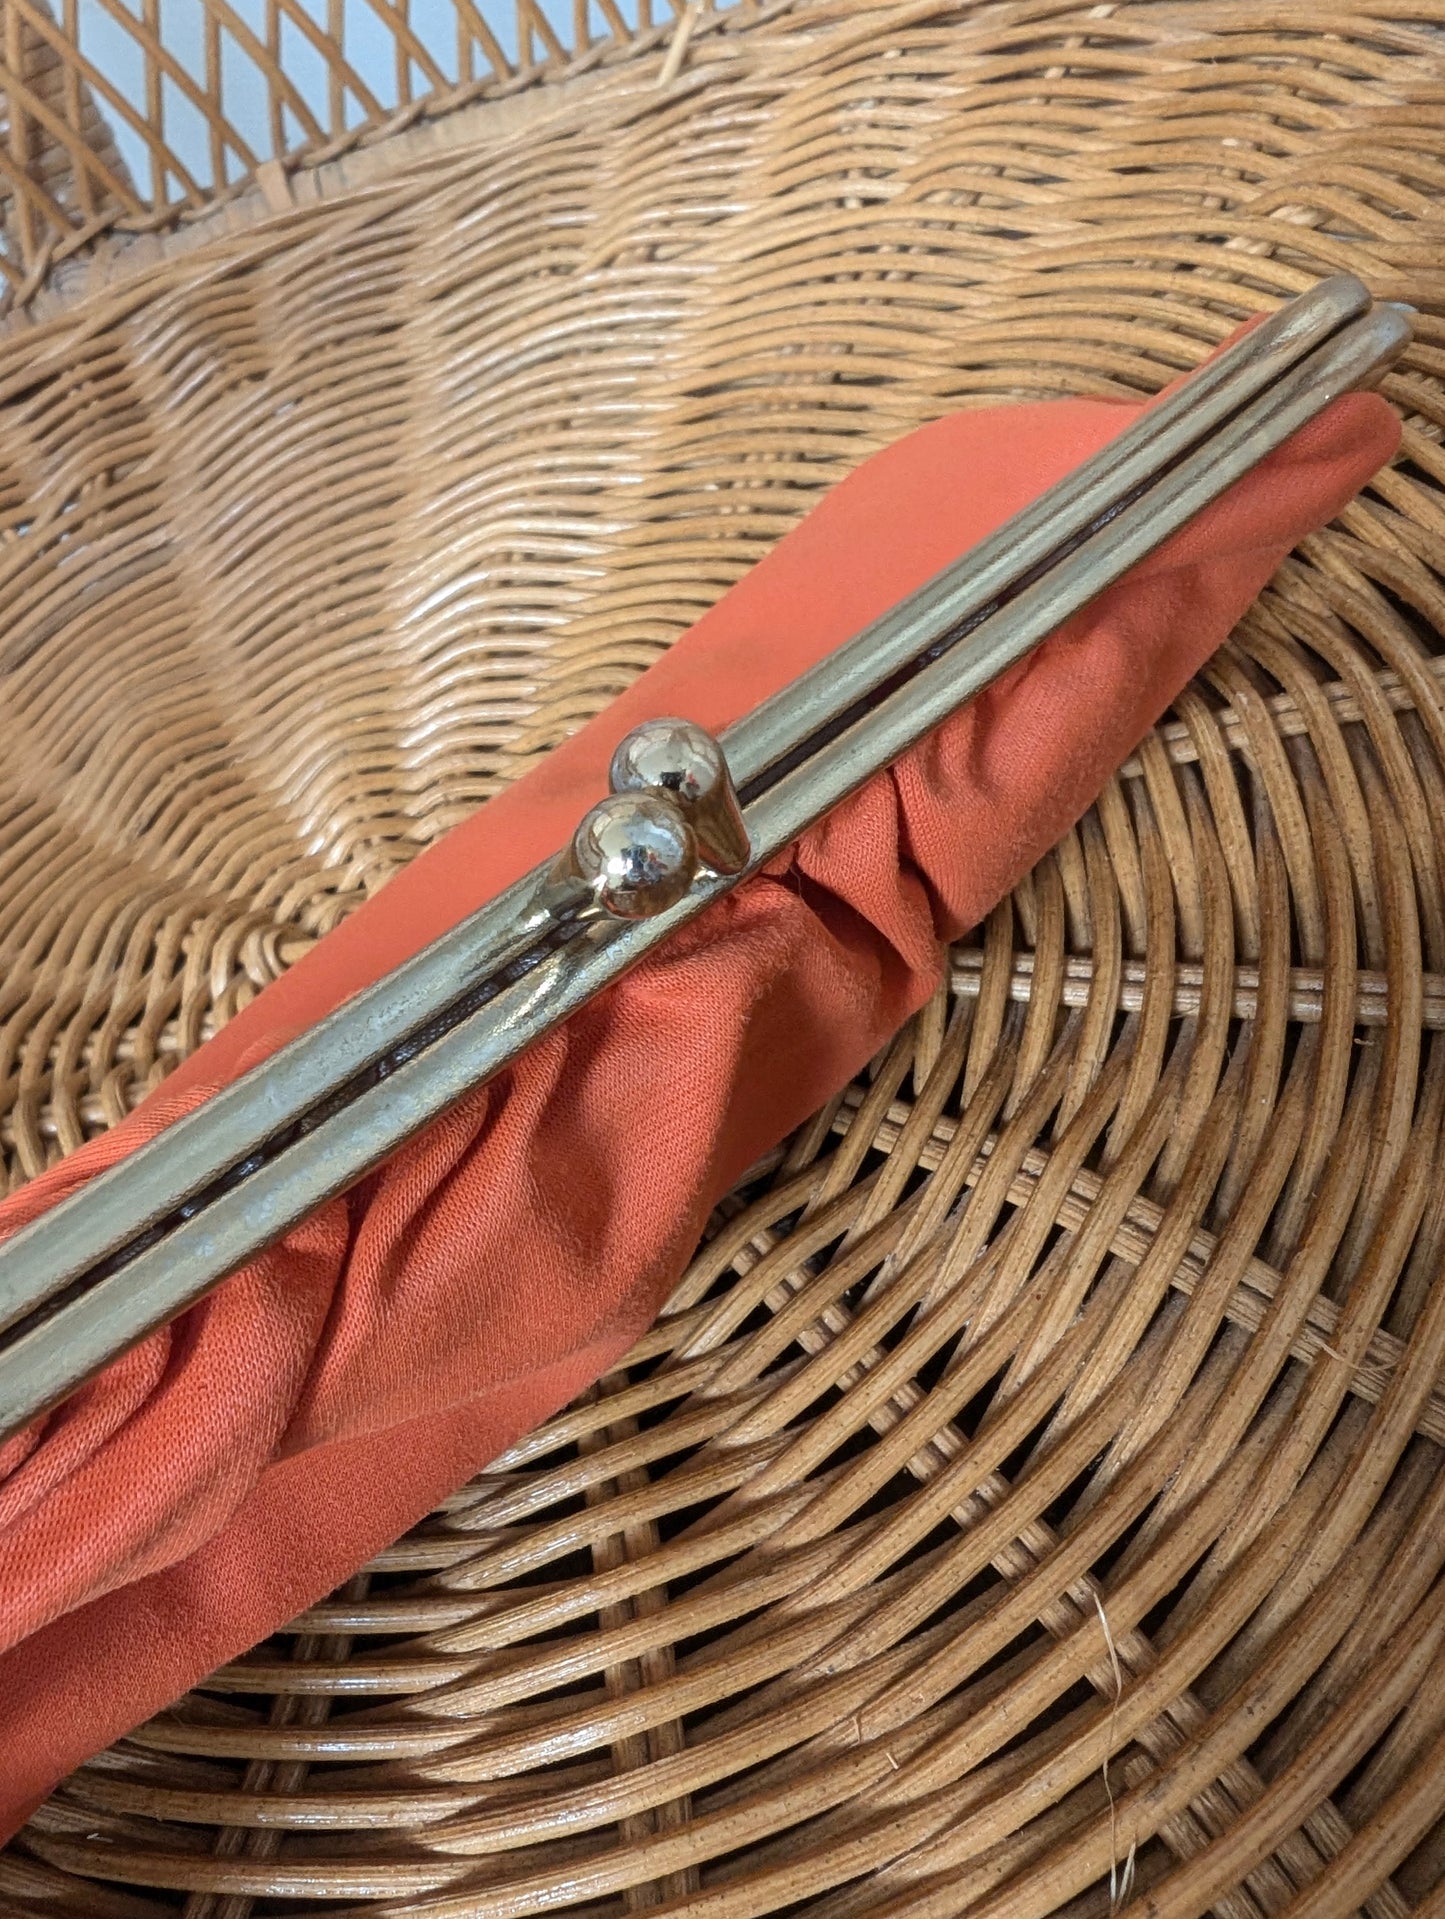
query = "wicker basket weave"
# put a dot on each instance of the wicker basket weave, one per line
(1114, 1583)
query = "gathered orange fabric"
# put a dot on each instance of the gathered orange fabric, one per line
(242, 1462)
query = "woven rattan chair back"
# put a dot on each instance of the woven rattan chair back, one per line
(124, 119)
(1112, 1583)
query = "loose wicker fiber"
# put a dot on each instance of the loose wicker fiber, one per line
(1033, 1500)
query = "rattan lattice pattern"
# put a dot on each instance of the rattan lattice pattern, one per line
(1032, 1500)
(207, 93)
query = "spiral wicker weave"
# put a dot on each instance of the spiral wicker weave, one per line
(1113, 1579)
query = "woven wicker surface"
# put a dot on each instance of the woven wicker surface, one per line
(1037, 1479)
(208, 94)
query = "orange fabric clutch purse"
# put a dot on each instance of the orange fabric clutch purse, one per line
(242, 1462)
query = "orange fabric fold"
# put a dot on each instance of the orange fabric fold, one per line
(244, 1461)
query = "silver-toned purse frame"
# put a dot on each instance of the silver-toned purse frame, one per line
(688, 817)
